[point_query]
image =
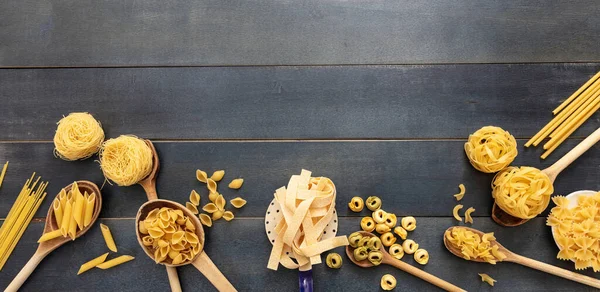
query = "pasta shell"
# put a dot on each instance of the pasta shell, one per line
(142, 227)
(191, 207)
(212, 185)
(147, 240)
(177, 246)
(178, 260)
(173, 254)
(210, 208)
(220, 202)
(163, 214)
(162, 243)
(217, 215)
(213, 196)
(158, 257)
(236, 183)
(189, 225)
(173, 215)
(177, 237)
(170, 229)
(238, 202)
(218, 175)
(227, 215)
(205, 219)
(181, 221)
(152, 215)
(201, 176)
(155, 232)
(191, 238)
(195, 198)
(163, 223)
(196, 249)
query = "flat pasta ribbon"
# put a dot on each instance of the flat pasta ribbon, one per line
(491, 149)
(307, 205)
(523, 192)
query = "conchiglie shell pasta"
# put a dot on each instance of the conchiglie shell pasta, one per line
(236, 183)
(218, 175)
(205, 219)
(201, 176)
(238, 202)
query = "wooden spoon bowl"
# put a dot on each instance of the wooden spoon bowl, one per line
(505, 219)
(158, 203)
(457, 252)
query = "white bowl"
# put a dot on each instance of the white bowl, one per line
(572, 197)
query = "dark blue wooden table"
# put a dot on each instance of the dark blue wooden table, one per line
(380, 96)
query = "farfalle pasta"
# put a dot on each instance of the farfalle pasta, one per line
(473, 246)
(523, 192)
(577, 230)
(490, 149)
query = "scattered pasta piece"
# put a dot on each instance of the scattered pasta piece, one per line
(455, 212)
(390, 220)
(396, 251)
(473, 246)
(490, 149)
(523, 192)
(388, 282)
(388, 238)
(361, 253)
(238, 202)
(192, 208)
(115, 262)
(379, 216)
(410, 246)
(108, 238)
(50, 235)
(213, 196)
(218, 175)
(3, 173)
(210, 208)
(236, 183)
(461, 194)
(201, 176)
(374, 243)
(205, 220)
(211, 185)
(228, 216)
(486, 278)
(334, 260)
(195, 198)
(354, 239)
(375, 257)
(401, 232)
(409, 223)
(78, 136)
(421, 256)
(373, 203)
(220, 203)
(367, 224)
(217, 215)
(468, 218)
(92, 264)
(356, 204)
(381, 228)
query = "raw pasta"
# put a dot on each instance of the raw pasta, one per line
(388, 282)
(461, 194)
(401, 232)
(228, 215)
(195, 198)
(455, 212)
(205, 220)
(421, 256)
(125, 160)
(375, 257)
(218, 175)
(356, 204)
(50, 235)
(486, 278)
(307, 204)
(115, 262)
(390, 220)
(238, 202)
(379, 216)
(334, 260)
(373, 203)
(367, 224)
(217, 209)
(381, 228)
(468, 218)
(236, 183)
(473, 246)
(409, 223)
(78, 136)
(108, 238)
(92, 264)
(3, 173)
(490, 149)
(397, 251)
(523, 192)
(192, 208)
(89, 209)
(201, 176)
(58, 211)
(388, 238)
(410, 246)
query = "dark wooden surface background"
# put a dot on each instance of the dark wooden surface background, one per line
(377, 95)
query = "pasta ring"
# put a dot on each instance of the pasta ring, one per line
(388, 282)
(373, 203)
(367, 224)
(354, 239)
(382, 228)
(401, 232)
(374, 243)
(390, 220)
(363, 241)
(421, 256)
(356, 204)
(410, 246)
(409, 223)
(379, 216)
(375, 257)
(361, 253)
(396, 251)
(334, 260)
(388, 238)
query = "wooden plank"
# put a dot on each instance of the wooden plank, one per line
(126, 33)
(241, 250)
(291, 102)
(417, 177)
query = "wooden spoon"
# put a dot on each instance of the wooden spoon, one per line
(389, 260)
(149, 185)
(47, 247)
(201, 260)
(505, 219)
(515, 258)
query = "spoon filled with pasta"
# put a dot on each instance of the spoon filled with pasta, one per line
(474, 245)
(72, 214)
(366, 253)
(522, 193)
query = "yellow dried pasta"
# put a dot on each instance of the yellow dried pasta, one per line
(468, 218)
(78, 136)
(486, 278)
(228, 215)
(473, 246)
(195, 198)
(236, 183)
(523, 192)
(490, 149)
(92, 264)
(238, 202)
(388, 282)
(201, 176)
(218, 175)
(461, 194)
(421, 256)
(455, 212)
(205, 220)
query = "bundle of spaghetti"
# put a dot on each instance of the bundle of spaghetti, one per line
(20, 215)
(78, 136)
(523, 192)
(125, 160)
(3, 173)
(307, 205)
(570, 115)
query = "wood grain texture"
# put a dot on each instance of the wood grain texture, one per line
(416, 177)
(292, 102)
(243, 258)
(209, 32)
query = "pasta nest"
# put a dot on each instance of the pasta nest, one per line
(490, 149)
(78, 136)
(523, 192)
(125, 160)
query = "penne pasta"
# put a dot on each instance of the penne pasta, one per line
(108, 238)
(64, 226)
(78, 208)
(58, 212)
(89, 209)
(62, 197)
(72, 231)
(50, 235)
(92, 264)
(115, 262)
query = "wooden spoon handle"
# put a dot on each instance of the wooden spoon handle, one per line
(212, 273)
(25, 272)
(173, 279)
(150, 189)
(423, 275)
(581, 148)
(555, 270)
